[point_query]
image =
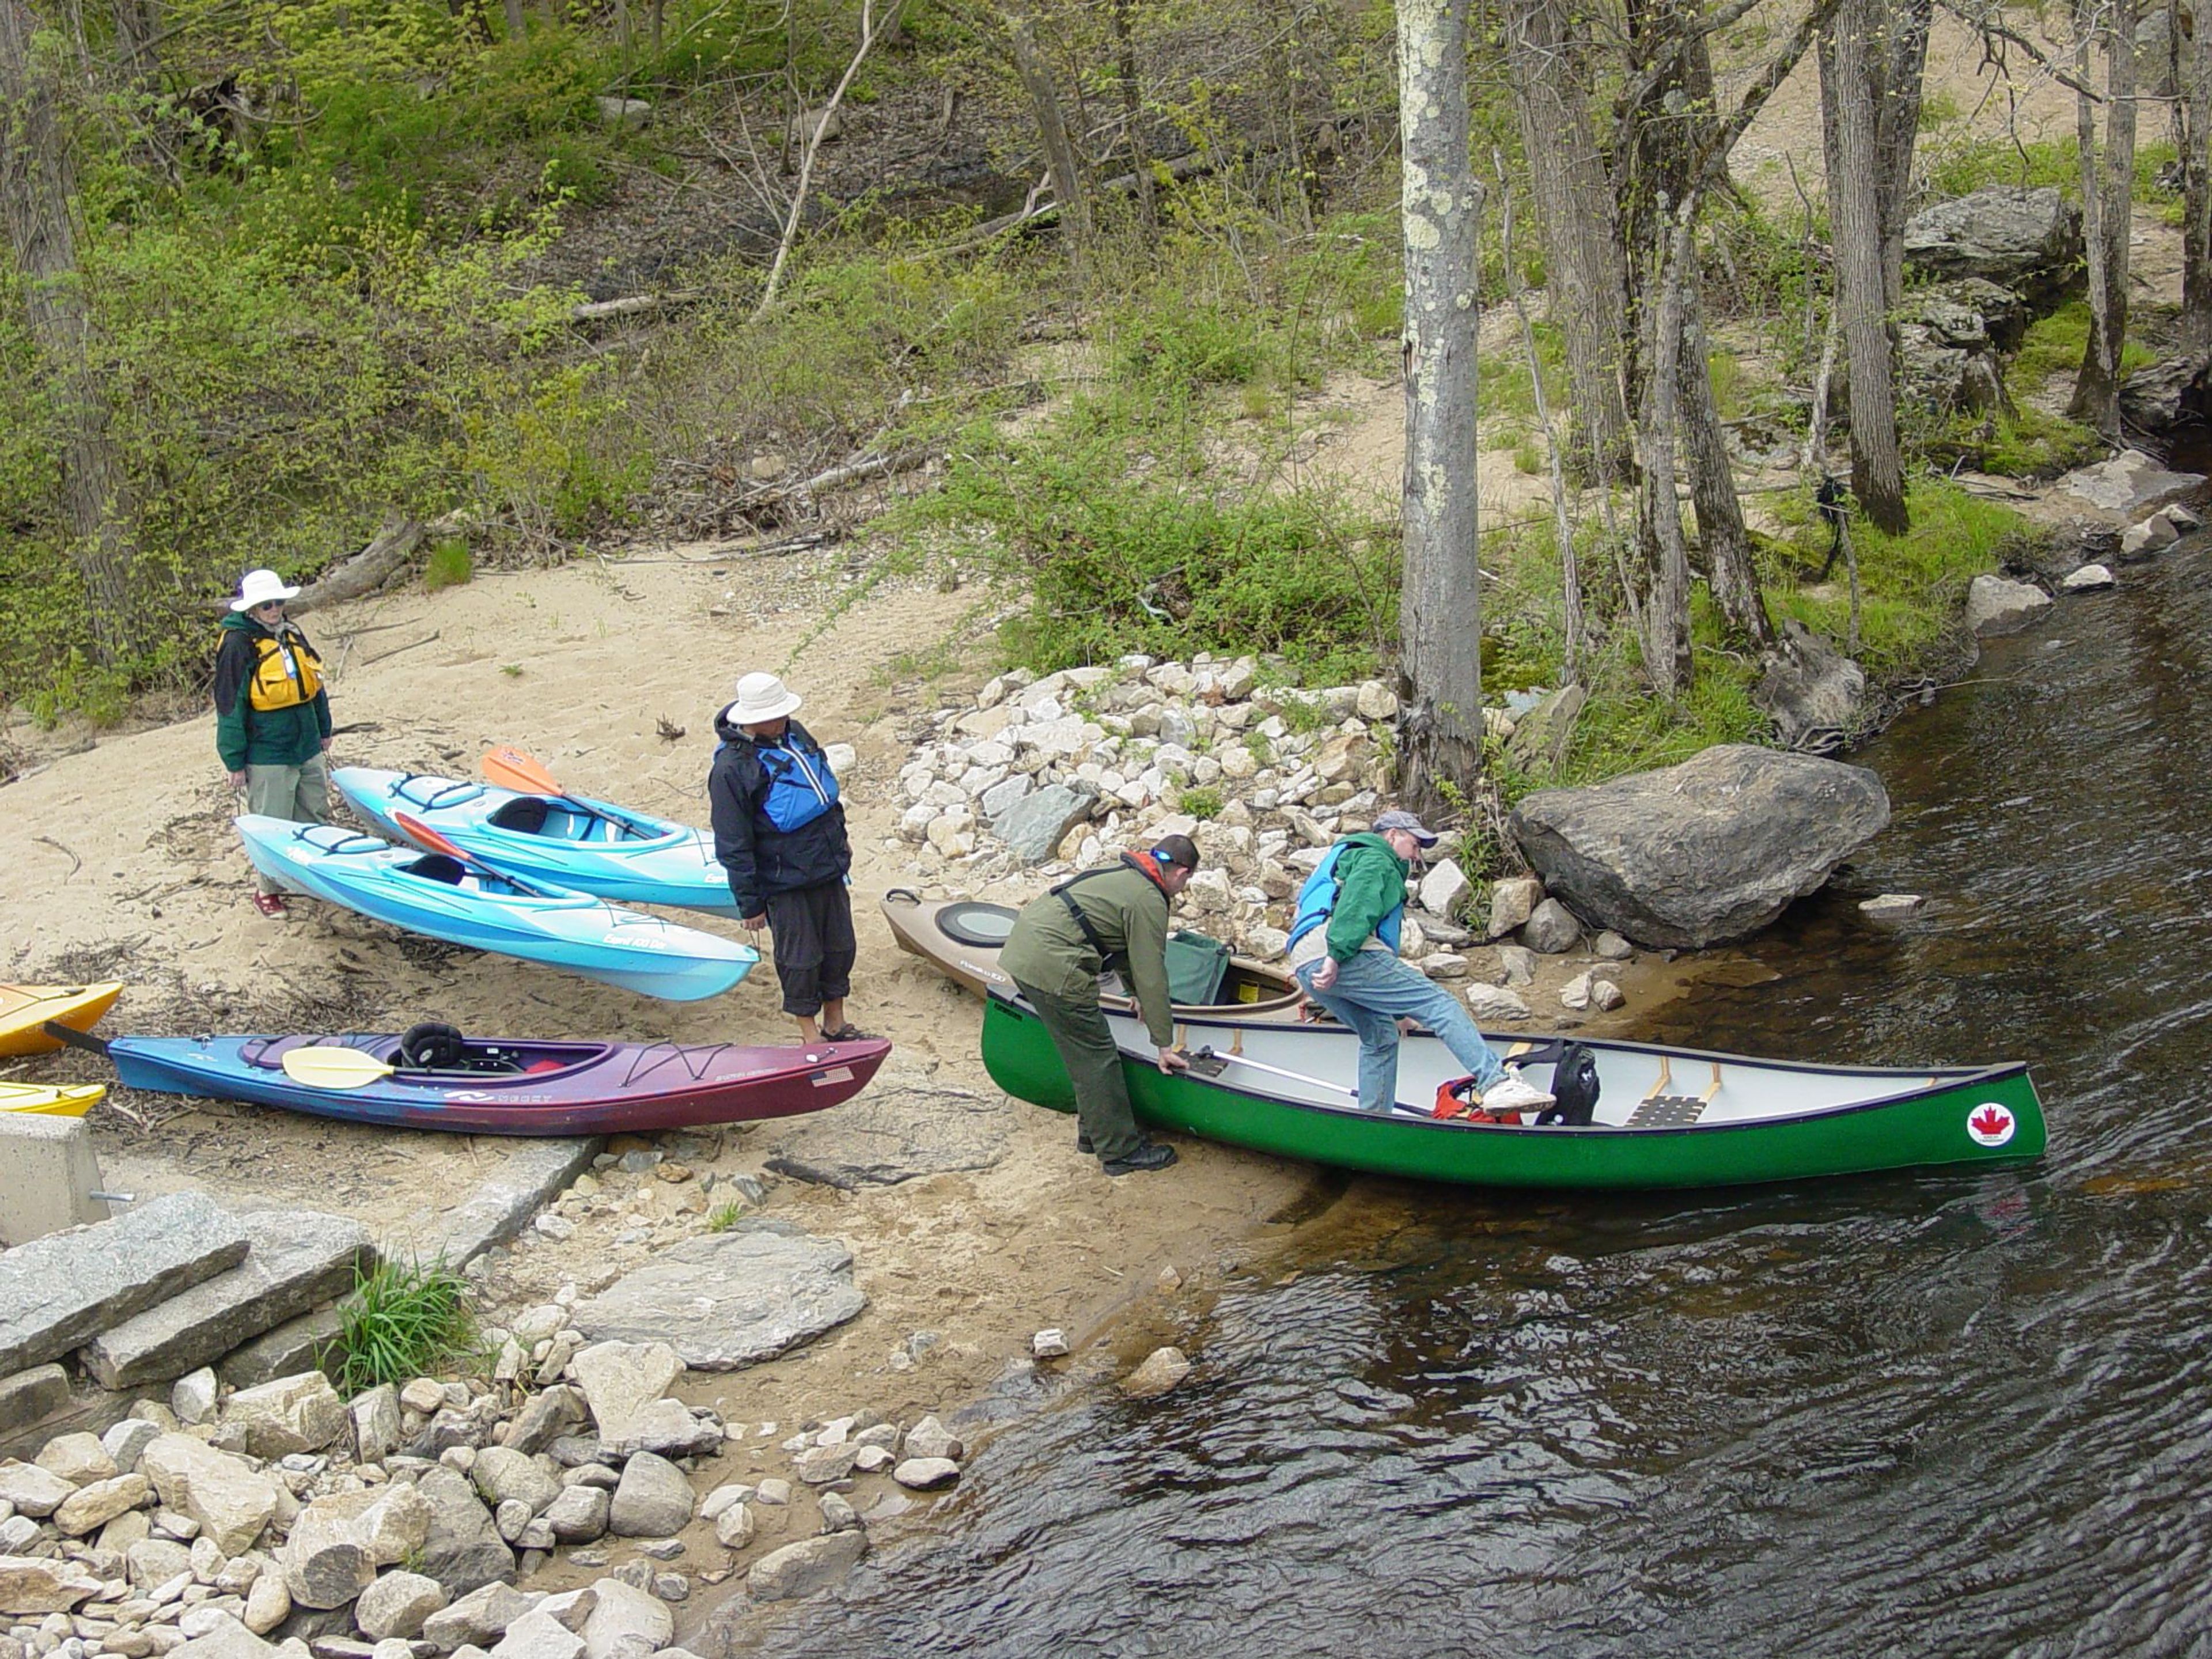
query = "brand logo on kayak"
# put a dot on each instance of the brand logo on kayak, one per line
(1991, 1124)
(636, 941)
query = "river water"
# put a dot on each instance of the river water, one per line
(1943, 1415)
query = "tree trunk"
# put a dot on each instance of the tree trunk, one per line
(1584, 266)
(38, 190)
(1899, 63)
(1848, 91)
(1728, 568)
(1133, 112)
(516, 22)
(2196, 104)
(1440, 596)
(137, 26)
(2107, 219)
(1666, 604)
(1052, 131)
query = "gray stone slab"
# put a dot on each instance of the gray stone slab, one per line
(58, 1291)
(306, 1344)
(887, 1136)
(727, 1300)
(29, 1395)
(298, 1258)
(528, 1177)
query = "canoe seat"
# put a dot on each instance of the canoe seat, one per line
(436, 866)
(1662, 1109)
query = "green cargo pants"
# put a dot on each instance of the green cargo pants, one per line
(301, 794)
(1085, 1042)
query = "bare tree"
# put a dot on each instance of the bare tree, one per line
(1133, 109)
(2196, 108)
(814, 122)
(2107, 210)
(1552, 77)
(1439, 596)
(1853, 82)
(38, 192)
(1052, 129)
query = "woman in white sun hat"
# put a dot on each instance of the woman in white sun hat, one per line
(272, 717)
(779, 832)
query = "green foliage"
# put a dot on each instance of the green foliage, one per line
(1201, 803)
(448, 566)
(724, 1216)
(1912, 584)
(403, 1321)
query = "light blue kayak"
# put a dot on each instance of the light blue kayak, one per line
(465, 902)
(567, 839)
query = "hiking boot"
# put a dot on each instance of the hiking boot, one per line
(1152, 1155)
(1514, 1093)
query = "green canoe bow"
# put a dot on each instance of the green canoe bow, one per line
(1854, 1118)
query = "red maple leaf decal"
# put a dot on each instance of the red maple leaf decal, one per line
(1990, 1121)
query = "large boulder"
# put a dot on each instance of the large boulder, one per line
(1997, 606)
(1034, 826)
(2026, 240)
(2174, 393)
(1947, 357)
(1710, 850)
(1810, 689)
(731, 1299)
(300, 1413)
(463, 1550)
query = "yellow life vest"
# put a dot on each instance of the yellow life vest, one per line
(284, 672)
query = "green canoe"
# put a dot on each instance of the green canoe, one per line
(1666, 1117)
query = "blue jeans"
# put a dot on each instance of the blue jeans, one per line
(1371, 992)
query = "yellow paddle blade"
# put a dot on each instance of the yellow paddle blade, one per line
(510, 769)
(333, 1068)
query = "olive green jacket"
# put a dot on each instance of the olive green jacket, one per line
(1128, 911)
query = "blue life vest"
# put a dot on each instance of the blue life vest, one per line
(1317, 898)
(800, 786)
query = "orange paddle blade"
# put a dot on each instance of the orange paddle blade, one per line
(423, 835)
(510, 769)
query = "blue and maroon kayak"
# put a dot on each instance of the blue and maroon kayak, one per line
(500, 1087)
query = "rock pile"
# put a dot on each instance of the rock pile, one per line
(1041, 776)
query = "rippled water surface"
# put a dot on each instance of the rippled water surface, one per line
(1935, 1414)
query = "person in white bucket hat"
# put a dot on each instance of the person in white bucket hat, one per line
(779, 832)
(272, 716)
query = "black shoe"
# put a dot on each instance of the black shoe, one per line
(1152, 1155)
(1082, 1141)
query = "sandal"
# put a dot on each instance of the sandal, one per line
(270, 904)
(849, 1033)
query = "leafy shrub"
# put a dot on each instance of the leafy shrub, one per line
(1201, 803)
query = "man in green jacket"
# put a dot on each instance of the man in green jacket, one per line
(1344, 950)
(272, 716)
(1063, 940)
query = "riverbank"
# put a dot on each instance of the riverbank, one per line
(130, 869)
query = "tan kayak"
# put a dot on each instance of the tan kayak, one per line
(961, 938)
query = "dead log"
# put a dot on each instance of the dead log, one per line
(606, 311)
(367, 570)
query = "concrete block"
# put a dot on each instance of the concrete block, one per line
(48, 1176)
(29, 1395)
(57, 1292)
(298, 1259)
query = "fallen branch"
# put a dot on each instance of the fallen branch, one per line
(367, 570)
(604, 311)
(396, 649)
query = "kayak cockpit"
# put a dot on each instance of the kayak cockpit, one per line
(478, 1058)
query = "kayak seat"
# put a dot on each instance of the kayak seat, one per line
(438, 866)
(525, 815)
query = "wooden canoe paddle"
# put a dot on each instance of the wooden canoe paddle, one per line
(333, 1068)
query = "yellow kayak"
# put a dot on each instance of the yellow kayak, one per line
(54, 1100)
(25, 1008)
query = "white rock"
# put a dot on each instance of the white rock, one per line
(1049, 1344)
(1889, 907)
(1577, 992)
(1495, 1003)
(193, 1397)
(2088, 576)
(1443, 887)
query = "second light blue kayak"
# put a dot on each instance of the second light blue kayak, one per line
(465, 902)
(567, 840)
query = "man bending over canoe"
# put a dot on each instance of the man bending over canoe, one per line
(1344, 950)
(1063, 940)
